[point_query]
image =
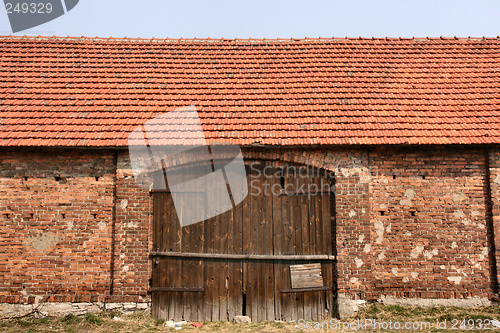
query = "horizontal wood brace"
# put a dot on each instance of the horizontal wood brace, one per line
(319, 257)
(298, 290)
(179, 191)
(182, 289)
(299, 192)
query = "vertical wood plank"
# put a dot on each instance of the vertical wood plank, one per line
(255, 238)
(249, 287)
(229, 265)
(327, 220)
(304, 200)
(304, 182)
(180, 244)
(193, 270)
(239, 236)
(198, 245)
(256, 242)
(327, 270)
(235, 245)
(156, 271)
(315, 232)
(298, 241)
(216, 276)
(269, 282)
(185, 299)
(328, 217)
(197, 271)
(278, 233)
(261, 249)
(167, 268)
(288, 300)
(209, 270)
(165, 297)
(223, 267)
(287, 218)
(246, 236)
(316, 241)
(161, 245)
(193, 300)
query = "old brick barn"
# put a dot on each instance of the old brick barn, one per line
(408, 130)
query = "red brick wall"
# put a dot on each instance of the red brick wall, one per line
(428, 218)
(133, 240)
(397, 233)
(55, 234)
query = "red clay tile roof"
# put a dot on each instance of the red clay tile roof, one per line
(94, 92)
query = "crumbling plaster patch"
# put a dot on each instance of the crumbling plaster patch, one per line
(409, 194)
(359, 262)
(416, 251)
(455, 279)
(497, 179)
(458, 197)
(42, 241)
(379, 229)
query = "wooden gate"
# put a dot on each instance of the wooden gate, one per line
(270, 257)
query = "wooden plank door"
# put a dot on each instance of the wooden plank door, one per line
(238, 263)
(292, 219)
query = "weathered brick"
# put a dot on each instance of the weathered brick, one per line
(410, 222)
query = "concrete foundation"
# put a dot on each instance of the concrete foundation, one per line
(348, 307)
(424, 302)
(61, 309)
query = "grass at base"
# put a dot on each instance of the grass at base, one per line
(142, 322)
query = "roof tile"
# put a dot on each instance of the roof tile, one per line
(88, 92)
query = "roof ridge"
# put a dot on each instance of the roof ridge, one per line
(196, 39)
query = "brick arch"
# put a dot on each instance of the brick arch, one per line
(316, 158)
(311, 158)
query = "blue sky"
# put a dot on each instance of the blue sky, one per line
(272, 19)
